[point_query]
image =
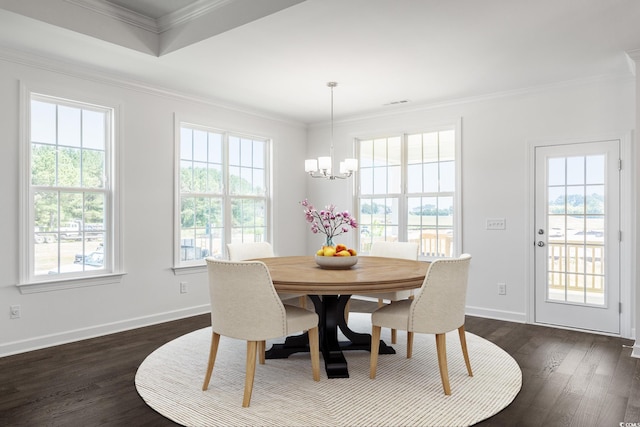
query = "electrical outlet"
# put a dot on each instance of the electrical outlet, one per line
(14, 312)
(502, 288)
(183, 287)
(496, 224)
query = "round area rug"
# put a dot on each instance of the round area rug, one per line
(405, 392)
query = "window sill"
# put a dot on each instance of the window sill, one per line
(69, 283)
(190, 269)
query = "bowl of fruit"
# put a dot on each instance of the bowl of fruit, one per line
(337, 257)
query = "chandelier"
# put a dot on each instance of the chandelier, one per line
(322, 167)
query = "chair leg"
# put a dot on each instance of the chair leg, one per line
(314, 349)
(375, 348)
(380, 302)
(303, 301)
(252, 347)
(409, 344)
(215, 340)
(262, 345)
(441, 346)
(465, 353)
(394, 336)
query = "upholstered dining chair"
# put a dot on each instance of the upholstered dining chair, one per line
(437, 309)
(404, 250)
(245, 251)
(245, 305)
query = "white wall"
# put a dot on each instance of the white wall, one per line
(149, 292)
(496, 133)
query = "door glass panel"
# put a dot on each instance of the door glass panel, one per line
(575, 219)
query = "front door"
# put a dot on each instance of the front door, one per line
(577, 235)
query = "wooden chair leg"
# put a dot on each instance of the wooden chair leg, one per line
(262, 346)
(215, 340)
(303, 301)
(409, 344)
(380, 302)
(375, 348)
(314, 349)
(441, 347)
(465, 353)
(394, 336)
(252, 347)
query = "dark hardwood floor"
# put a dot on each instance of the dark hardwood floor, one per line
(569, 378)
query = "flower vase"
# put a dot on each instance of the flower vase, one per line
(329, 242)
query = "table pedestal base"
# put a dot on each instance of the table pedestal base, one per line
(330, 309)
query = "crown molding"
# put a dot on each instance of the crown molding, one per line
(156, 26)
(118, 13)
(80, 71)
(189, 13)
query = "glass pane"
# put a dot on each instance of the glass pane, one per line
(380, 152)
(447, 145)
(68, 126)
(430, 177)
(200, 178)
(69, 167)
(556, 171)
(258, 154)
(414, 178)
(200, 145)
(430, 144)
(43, 122)
(94, 131)
(366, 154)
(93, 169)
(43, 164)
(201, 212)
(575, 170)
(595, 199)
(187, 213)
(215, 179)
(380, 181)
(234, 151)
(234, 180)
(215, 148)
(186, 177)
(258, 182)
(246, 180)
(395, 180)
(575, 199)
(595, 169)
(447, 176)
(556, 287)
(45, 205)
(246, 152)
(366, 180)
(557, 201)
(394, 151)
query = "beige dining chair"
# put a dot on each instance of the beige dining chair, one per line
(245, 305)
(245, 251)
(439, 307)
(404, 250)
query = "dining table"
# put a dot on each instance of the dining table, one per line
(330, 290)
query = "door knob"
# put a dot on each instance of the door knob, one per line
(541, 244)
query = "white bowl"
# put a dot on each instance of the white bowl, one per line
(336, 262)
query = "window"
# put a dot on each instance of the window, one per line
(407, 191)
(69, 227)
(223, 192)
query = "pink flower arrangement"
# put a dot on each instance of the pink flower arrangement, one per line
(328, 221)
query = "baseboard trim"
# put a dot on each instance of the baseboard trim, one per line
(510, 316)
(37, 343)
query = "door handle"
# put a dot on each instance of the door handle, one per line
(541, 244)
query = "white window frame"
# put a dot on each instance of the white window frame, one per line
(112, 272)
(184, 267)
(403, 194)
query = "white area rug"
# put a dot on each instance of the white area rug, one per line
(406, 392)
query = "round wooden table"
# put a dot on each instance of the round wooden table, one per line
(330, 290)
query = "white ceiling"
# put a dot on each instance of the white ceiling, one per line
(379, 51)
